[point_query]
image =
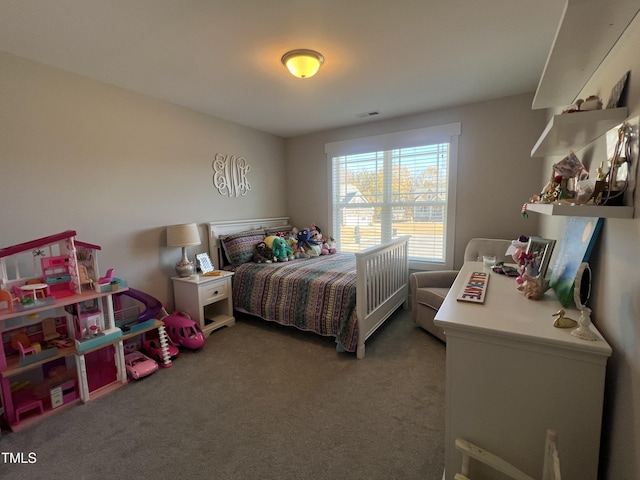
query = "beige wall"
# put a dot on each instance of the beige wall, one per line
(616, 283)
(118, 167)
(495, 172)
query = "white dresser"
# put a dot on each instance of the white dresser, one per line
(511, 375)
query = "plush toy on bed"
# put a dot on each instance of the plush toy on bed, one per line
(292, 241)
(263, 254)
(307, 244)
(281, 250)
(329, 246)
(304, 239)
(316, 236)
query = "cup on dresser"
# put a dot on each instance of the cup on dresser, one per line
(488, 261)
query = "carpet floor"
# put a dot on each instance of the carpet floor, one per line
(259, 401)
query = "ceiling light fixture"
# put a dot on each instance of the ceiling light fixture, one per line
(302, 63)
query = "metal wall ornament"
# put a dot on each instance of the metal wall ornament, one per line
(230, 175)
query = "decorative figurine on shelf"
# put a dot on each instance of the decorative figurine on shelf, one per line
(592, 102)
(581, 293)
(612, 185)
(562, 321)
(563, 182)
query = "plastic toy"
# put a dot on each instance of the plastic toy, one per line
(152, 305)
(154, 350)
(183, 331)
(108, 277)
(138, 365)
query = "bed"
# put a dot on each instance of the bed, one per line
(343, 295)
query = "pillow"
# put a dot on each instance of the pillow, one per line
(286, 229)
(239, 247)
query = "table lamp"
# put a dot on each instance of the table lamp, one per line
(183, 236)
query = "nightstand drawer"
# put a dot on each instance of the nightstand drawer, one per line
(212, 292)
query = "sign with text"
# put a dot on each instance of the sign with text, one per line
(475, 288)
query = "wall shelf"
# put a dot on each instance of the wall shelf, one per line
(581, 210)
(587, 32)
(572, 131)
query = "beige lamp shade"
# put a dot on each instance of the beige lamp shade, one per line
(183, 235)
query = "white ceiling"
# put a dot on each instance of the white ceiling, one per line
(222, 57)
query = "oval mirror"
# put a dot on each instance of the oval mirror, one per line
(582, 285)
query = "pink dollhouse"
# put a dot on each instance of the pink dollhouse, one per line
(59, 264)
(58, 337)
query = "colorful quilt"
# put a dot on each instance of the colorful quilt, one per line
(316, 294)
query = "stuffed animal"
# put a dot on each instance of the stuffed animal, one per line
(292, 241)
(315, 235)
(263, 254)
(304, 237)
(317, 239)
(281, 250)
(329, 246)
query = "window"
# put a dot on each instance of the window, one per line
(393, 185)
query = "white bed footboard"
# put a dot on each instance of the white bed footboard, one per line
(382, 285)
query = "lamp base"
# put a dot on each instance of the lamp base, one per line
(185, 269)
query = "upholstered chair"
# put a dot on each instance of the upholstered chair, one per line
(429, 289)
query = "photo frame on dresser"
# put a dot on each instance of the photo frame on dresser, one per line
(540, 249)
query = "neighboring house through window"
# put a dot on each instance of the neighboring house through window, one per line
(397, 184)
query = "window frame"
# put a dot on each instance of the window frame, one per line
(405, 139)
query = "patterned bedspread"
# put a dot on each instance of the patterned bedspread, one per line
(316, 294)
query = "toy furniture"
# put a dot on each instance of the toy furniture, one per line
(6, 296)
(511, 375)
(550, 468)
(18, 292)
(83, 276)
(57, 273)
(34, 288)
(26, 350)
(429, 289)
(25, 401)
(49, 331)
(108, 278)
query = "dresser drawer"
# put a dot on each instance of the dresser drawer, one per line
(212, 292)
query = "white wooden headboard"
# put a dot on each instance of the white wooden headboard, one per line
(216, 229)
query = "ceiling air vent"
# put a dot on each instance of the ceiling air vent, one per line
(367, 114)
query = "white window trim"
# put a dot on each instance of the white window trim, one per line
(448, 133)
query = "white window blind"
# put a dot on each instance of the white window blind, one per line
(403, 186)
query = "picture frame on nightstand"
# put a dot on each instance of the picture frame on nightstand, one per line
(204, 263)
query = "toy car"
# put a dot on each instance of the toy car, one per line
(154, 350)
(138, 365)
(184, 331)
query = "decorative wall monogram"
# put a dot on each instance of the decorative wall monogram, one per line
(230, 175)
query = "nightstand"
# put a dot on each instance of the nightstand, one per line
(206, 299)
